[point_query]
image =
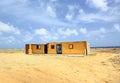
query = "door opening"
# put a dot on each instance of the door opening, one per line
(45, 49)
(27, 48)
(59, 48)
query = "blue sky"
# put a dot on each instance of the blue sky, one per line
(42, 21)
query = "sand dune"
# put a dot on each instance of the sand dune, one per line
(102, 66)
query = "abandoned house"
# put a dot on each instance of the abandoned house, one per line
(79, 47)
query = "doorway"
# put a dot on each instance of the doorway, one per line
(59, 48)
(26, 48)
(45, 49)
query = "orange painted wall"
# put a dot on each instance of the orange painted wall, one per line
(37, 51)
(78, 48)
(51, 51)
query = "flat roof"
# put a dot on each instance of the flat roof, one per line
(62, 42)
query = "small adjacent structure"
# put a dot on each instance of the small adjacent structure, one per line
(79, 47)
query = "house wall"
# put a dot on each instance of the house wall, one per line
(78, 48)
(37, 51)
(52, 51)
(33, 49)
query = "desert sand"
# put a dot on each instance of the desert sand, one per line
(101, 66)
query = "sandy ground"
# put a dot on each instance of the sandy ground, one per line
(102, 66)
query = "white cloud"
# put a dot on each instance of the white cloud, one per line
(41, 31)
(27, 37)
(69, 17)
(99, 4)
(7, 28)
(51, 35)
(117, 27)
(117, 1)
(51, 11)
(115, 11)
(83, 30)
(46, 35)
(71, 12)
(97, 17)
(11, 39)
(67, 32)
(42, 12)
(71, 7)
(111, 15)
(11, 2)
(7, 40)
(81, 11)
(40, 34)
(100, 32)
(54, 34)
(53, 0)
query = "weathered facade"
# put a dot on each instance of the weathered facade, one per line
(59, 48)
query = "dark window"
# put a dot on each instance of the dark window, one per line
(38, 47)
(52, 46)
(70, 46)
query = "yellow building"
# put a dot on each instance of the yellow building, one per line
(80, 47)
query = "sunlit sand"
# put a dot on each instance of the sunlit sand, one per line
(101, 66)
